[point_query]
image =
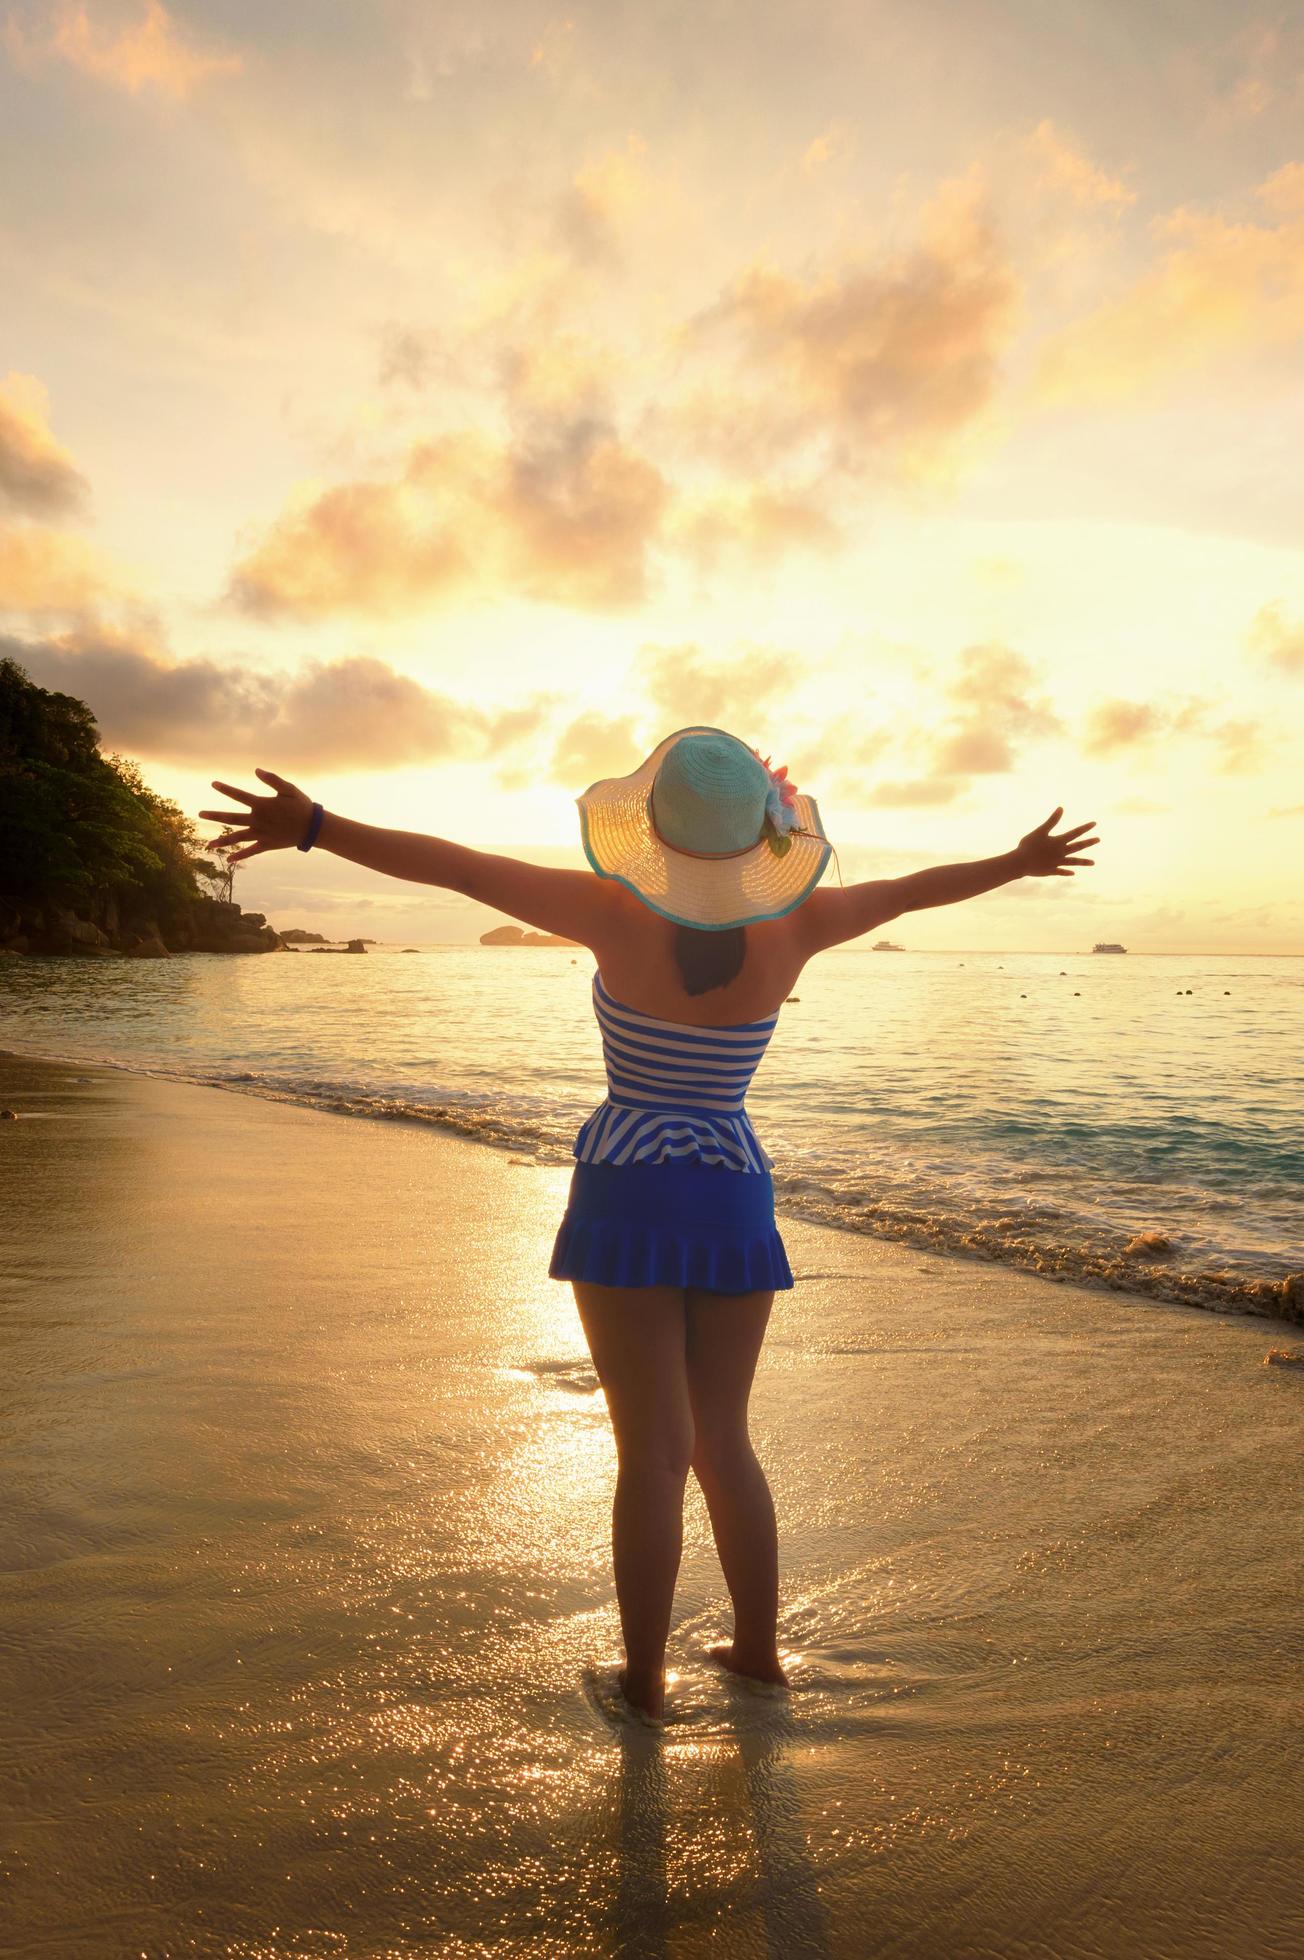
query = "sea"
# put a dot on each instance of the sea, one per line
(1134, 1121)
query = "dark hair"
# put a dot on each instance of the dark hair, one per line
(709, 959)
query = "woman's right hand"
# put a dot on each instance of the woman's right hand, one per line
(271, 823)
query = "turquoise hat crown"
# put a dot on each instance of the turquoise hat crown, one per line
(709, 794)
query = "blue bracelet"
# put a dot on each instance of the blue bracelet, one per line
(314, 825)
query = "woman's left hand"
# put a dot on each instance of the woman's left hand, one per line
(1042, 856)
(271, 823)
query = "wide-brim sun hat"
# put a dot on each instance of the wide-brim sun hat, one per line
(706, 833)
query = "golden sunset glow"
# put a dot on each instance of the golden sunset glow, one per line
(441, 406)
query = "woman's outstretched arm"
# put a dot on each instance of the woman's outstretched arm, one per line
(829, 917)
(576, 904)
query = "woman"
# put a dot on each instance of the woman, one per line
(703, 913)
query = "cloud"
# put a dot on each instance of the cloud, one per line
(1226, 285)
(746, 431)
(993, 704)
(1240, 746)
(1120, 724)
(682, 688)
(583, 228)
(1058, 167)
(896, 358)
(564, 513)
(593, 747)
(344, 714)
(974, 751)
(994, 707)
(994, 679)
(1116, 726)
(590, 217)
(406, 355)
(834, 145)
(911, 795)
(1288, 810)
(1277, 641)
(47, 571)
(1266, 60)
(685, 687)
(150, 52)
(678, 687)
(753, 527)
(37, 476)
(378, 549)
(578, 511)
(551, 376)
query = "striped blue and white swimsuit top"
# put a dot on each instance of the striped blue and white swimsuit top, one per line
(673, 1091)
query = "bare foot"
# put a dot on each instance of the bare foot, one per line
(756, 1668)
(648, 1697)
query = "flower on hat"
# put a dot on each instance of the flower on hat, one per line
(780, 807)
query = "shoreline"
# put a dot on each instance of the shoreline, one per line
(1280, 1299)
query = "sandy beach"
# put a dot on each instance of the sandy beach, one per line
(307, 1628)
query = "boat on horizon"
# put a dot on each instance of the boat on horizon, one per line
(1108, 946)
(886, 946)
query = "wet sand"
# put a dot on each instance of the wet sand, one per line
(307, 1629)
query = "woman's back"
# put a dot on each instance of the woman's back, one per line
(638, 966)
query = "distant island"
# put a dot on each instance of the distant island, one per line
(93, 863)
(1108, 946)
(513, 936)
(886, 946)
(296, 936)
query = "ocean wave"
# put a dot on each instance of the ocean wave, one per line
(1109, 1262)
(1103, 1252)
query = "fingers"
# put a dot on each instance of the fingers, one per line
(241, 795)
(1054, 817)
(1077, 860)
(277, 782)
(234, 837)
(250, 851)
(225, 816)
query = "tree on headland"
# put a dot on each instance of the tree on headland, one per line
(221, 876)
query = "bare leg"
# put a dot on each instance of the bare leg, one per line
(636, 1338)
(725, 1331)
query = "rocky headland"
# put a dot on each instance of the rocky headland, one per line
(516, 936)
(99, 931)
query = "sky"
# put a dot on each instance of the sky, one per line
(440, 406)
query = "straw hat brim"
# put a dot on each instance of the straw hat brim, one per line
(712, 893)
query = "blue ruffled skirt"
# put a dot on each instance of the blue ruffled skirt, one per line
(677, 1223)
